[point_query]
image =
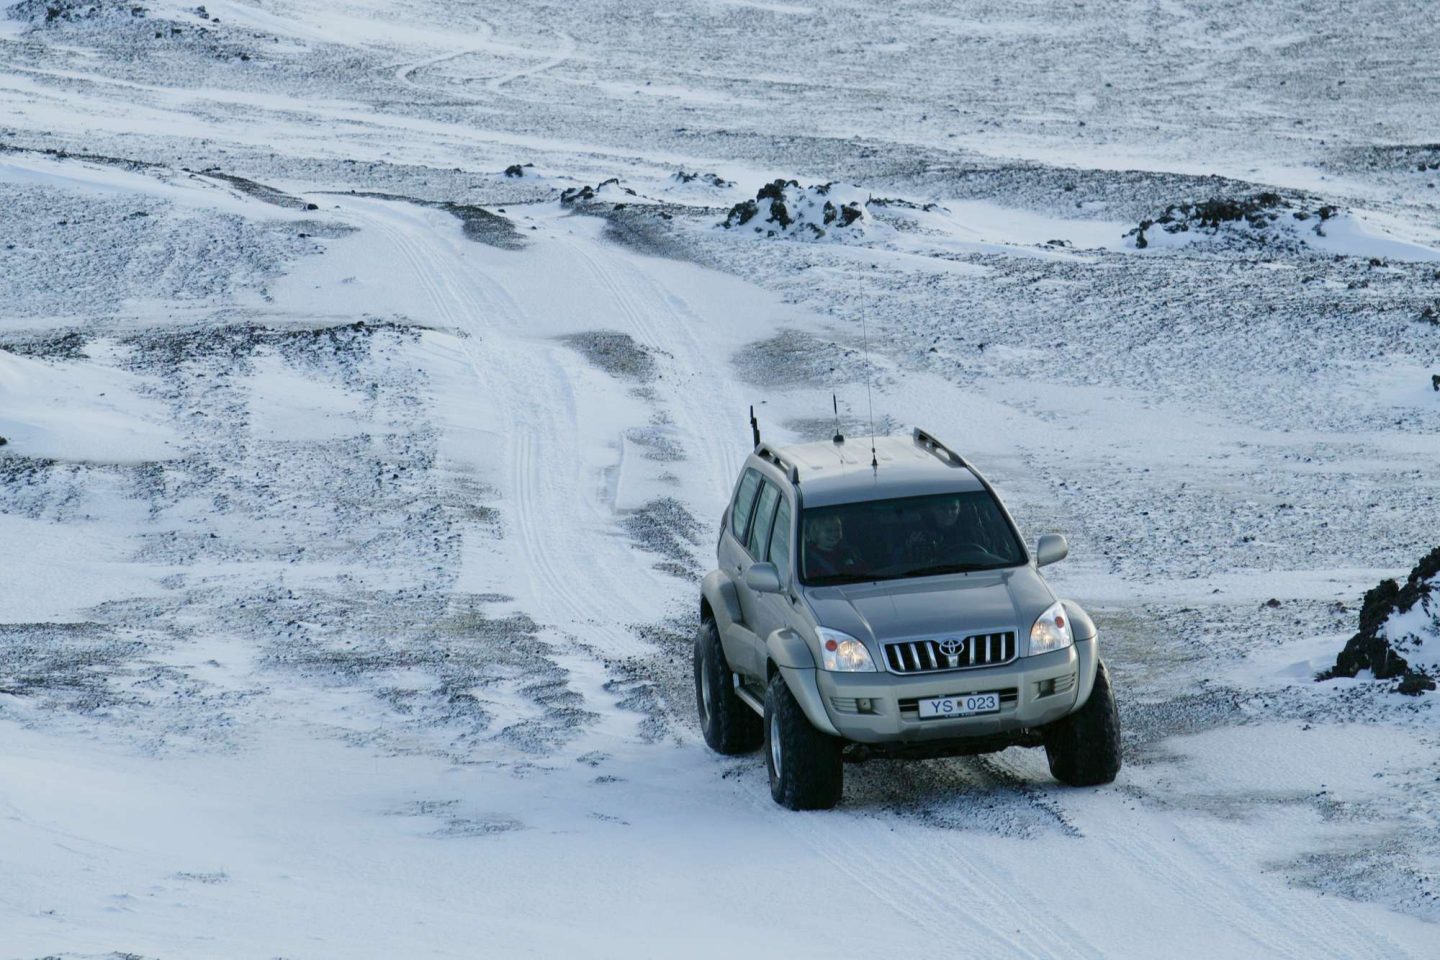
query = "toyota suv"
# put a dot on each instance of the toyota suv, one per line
(880, 602)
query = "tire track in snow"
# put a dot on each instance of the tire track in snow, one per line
(1277, 925)
(917, 875)
(405, 73)
(718, 461)
(553, 506)
(566, 51)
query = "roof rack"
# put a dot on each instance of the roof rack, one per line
(768, 453)
(938, 448)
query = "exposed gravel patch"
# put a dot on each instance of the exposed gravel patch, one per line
(616, 353)
(665, 527)
(793, 359)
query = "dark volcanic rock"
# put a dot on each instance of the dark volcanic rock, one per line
(1369, 649)
(786, 205)
(1262, 217)
(713, 180)
(74, 11)
(585, 194)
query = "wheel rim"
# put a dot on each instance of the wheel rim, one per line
(705, 694)
(775, 759)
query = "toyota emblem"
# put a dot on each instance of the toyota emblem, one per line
(951, 646)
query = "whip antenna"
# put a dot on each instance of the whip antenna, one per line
(869, 401)
(839, 437)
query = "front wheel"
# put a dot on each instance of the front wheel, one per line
(806, 770)
(730, 727)
(1084, 748)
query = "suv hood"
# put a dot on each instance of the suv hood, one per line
(934, 606)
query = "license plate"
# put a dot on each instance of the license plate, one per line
(966, 706)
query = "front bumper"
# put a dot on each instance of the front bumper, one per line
(1034, 691)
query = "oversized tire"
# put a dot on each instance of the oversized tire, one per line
(730, 727)
(1084, 748)
(806, 769)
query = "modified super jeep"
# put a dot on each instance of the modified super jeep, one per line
(883, 604)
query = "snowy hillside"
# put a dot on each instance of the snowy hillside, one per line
(373, 377)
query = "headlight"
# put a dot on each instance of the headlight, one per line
(842, 652)
(1051, 631)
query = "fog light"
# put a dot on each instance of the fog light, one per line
(864, 704)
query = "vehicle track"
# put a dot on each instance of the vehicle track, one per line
(554, 503)
(495, 85)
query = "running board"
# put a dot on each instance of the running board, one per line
(748, 698)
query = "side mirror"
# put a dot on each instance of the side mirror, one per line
(1052, 547)
(763, 578)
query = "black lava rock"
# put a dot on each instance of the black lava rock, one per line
(779, 214)
(741, 214)
(1368, 649)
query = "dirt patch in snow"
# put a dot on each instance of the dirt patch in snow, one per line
(793, 358)
(259, 191)
(664, 527)
(51, 345)
(485, 227)
(660, 684)
(614, 352)
(65, 664)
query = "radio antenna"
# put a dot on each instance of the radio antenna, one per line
(839, 437)
(754, 425)
(870, 402)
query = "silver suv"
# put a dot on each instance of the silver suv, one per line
(884, 605)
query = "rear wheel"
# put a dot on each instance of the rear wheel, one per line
(806, 770)
(1084, 748)
(730, 727)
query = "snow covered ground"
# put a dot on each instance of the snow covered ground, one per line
(373, 376)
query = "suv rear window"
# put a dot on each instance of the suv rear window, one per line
(906, 537)
(744, 504)
(760, 528)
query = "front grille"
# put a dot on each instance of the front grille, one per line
(929, 656)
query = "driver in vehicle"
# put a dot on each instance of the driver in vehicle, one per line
(944, 533)
(826, 553)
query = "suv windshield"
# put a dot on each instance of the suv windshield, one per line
(906, 537)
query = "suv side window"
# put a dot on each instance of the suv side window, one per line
(764, 513)
(744, 504)
(780, 541)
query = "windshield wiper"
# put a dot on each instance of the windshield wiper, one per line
(935, 569)
(839, 578)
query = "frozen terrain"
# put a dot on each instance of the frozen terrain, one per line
(373, 375)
